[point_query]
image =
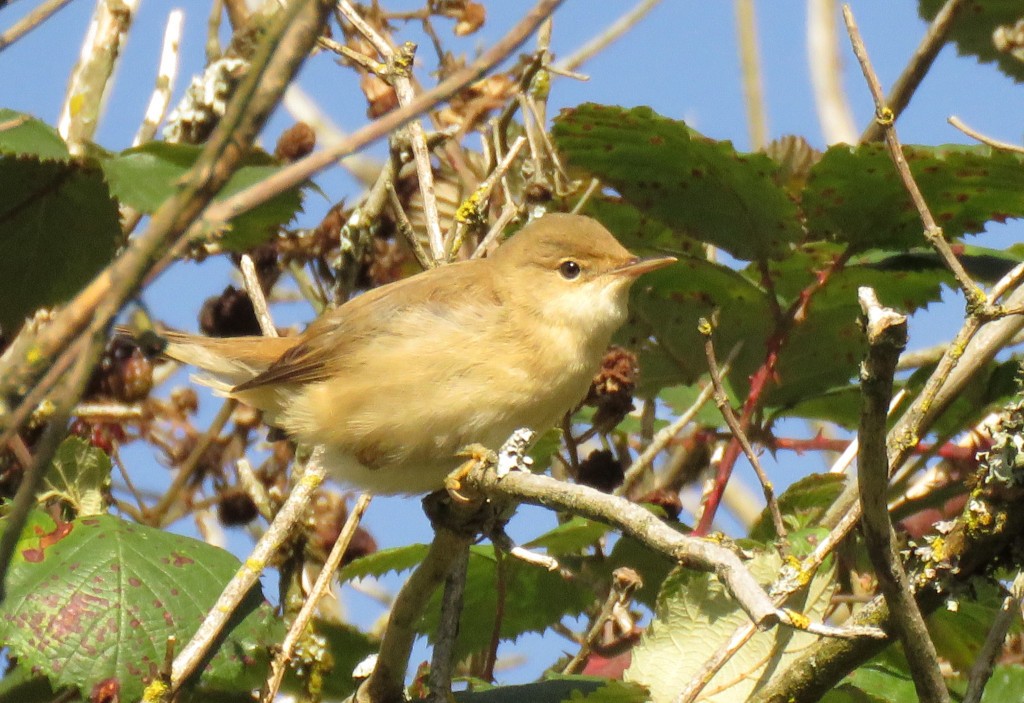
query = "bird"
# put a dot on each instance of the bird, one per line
(396, 381)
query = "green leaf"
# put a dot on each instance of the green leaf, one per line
(96, 598)
(574, 689)
(347, 647)
(24, 135)
(58, 228)
(690, 183)
(638, 231)
(544, 448)
(855, 196)
(571, 537)
(397, 559)
(535, 599)
(666, 306)
(959, 630)
(144, 177)
(982, 263)
(885, 678)
(838, 405)
(19, 685)
(1007, 681)
(972, 30)
(681, 398)
(824, 350)
(991, 386)
(847, 693)
(80, 475)
(802, 505)
(696, 615)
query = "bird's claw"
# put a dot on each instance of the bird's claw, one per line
(511, 457)
(475, 455)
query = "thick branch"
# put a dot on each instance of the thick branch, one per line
(638, 523)
(989, 530)
(886, 332)
(387, 682)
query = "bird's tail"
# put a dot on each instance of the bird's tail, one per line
(224, 362)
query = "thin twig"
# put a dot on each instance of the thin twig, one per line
(977, 302)
(158, 514)
(750, 69)
(981, 670)
(386, 682)
(664, 437)
(442, 659)
(323, 582)
(625, 582)
(30, 21)
(166, 73)
(255, 292)
(300, 171)
(248, 575)
(213, 47)
(917, 68)
(591, 188)
(738, 433)
(974, 134)
(886, 332)
(473, 208)
(117, 412)
(400, 69)
(598, 44)
(255, 489)
(408, 233)
(509, 212)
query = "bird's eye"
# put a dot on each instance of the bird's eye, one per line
(569, 269)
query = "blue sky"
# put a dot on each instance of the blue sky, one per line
(682, 60)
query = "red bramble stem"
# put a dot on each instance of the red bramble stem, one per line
(796, 313)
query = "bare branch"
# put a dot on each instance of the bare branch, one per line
(399, 72)
(166, 73)
(90, 78)
(30, 21)
(386, 683)
(994, 143)
(885, 118)
(322, 584)
(981, 670)
(635, 521)
(599, 43)
(917, 68)
(886, 332)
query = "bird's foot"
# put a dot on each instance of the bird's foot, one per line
(475, 455)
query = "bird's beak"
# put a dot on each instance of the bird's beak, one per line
(637, 267)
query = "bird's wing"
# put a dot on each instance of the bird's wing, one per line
(325, 347)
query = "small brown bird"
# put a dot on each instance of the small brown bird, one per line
(396, 381)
